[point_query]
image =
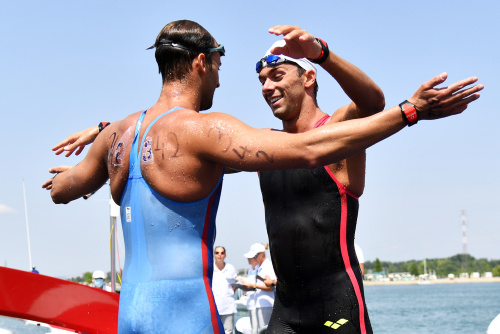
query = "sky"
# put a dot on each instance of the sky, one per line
(68, 65)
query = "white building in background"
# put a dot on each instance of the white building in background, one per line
(475, 275)
(464, 275)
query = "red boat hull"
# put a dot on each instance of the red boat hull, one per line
(57, 302)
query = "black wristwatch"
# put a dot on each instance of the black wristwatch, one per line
(103, 125)
(409, 112)
(324, 52)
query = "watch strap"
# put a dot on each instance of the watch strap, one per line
(103, 125)
(325, 51)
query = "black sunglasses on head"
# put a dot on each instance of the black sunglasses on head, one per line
(166, 42)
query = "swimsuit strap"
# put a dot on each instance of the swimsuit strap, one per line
(321, 121)
(152, 123)
(132, 159)
(135, 152)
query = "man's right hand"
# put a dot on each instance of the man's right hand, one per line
(55, 170)
(434, 103)
(76, 141)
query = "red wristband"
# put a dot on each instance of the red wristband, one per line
(409, 112)
(324, 52)
(103, 125)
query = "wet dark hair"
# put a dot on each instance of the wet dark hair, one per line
(174, 63)
(301, 71)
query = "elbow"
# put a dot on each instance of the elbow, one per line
(313, 159)
(334, 152)
(373, 106)
(375, 102)
(57, 197)
(379, 101)
(313, 163)
(381, 105)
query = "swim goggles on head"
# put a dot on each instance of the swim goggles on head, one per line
(219, 48)
(270, 60)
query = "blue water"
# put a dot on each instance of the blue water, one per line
(461, 308)
(434, 308)
(18, 326)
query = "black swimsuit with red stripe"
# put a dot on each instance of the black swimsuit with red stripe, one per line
(311, 223)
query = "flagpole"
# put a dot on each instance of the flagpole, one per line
(27, 225)
(114, 212)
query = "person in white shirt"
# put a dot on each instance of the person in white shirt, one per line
(224, 276)
(361, 259)
(264, 295)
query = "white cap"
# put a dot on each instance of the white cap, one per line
(254, 250)
(305, 63)
(98, 274)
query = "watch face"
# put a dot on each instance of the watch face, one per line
(410, 112)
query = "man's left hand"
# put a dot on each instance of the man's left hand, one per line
(299, 43)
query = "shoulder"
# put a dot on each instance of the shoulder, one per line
(271, 268)
(230, 268)
(192, 123)
(212, 120)
(190, 115)
(119, 127)
(124, 123)
(359, 253)
(338, 116)
(266, 265)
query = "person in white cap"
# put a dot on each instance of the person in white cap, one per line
(264, 295)
(99, 280)
(251, 281)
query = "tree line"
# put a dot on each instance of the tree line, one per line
(456, 264)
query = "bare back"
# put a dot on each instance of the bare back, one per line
(168, 163)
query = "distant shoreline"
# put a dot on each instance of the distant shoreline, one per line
(438, 281)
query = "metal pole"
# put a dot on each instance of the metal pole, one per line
(113, 265)
(27, 226)
(114, 211)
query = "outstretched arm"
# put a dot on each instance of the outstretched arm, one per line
(54, 170)
(88, 176)
(367, 97)
(234, 144)
(77, 141)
